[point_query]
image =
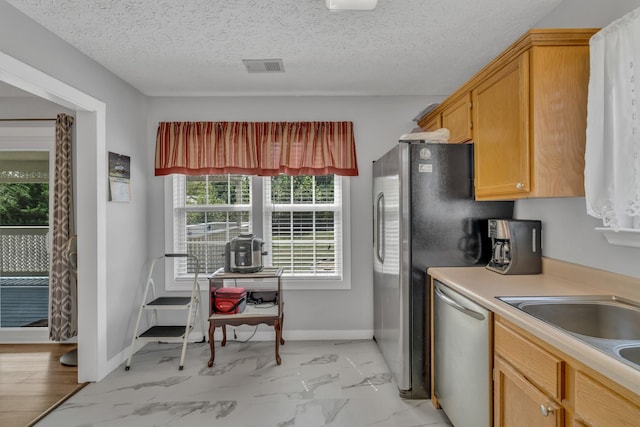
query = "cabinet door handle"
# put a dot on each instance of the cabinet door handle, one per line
(546, 410)
(520, 186)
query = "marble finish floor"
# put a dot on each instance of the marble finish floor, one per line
(319, 383)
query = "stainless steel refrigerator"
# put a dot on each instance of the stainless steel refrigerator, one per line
(424, 216)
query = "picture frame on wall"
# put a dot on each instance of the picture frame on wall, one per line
(119, 177)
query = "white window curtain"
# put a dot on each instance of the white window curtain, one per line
(612, 158)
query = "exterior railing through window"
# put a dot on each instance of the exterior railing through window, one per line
(207, 242)
(24, 276)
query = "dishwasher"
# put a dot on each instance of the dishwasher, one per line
(462, 353)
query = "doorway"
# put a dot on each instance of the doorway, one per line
(25, 203)
(90, 128)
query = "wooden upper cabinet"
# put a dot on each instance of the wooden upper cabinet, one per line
(559, 87)
(530, 119)
(528, 108)
(501, 115)
(453, 114)
(457, 118)
(434, 122)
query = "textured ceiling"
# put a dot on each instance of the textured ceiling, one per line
(196, 47)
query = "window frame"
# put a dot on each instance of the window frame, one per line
(258, 218)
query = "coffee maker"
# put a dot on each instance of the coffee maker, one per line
(516, 246)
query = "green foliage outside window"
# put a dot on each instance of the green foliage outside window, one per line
(24, 204)
(300, 189)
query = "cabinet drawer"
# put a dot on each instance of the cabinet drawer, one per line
(538, 365)
(600, 406)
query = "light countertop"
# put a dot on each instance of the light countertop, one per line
(558, 278)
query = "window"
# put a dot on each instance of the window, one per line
(208, 212)
(303, 225)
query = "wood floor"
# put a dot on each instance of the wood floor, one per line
(33, 381)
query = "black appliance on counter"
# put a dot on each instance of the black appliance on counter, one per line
(424, 216)
(243, 254)
(516, 246)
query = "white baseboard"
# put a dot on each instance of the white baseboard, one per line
(328, 335)
(24, 336)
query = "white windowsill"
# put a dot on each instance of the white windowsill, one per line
(288, 284)
(623, 237)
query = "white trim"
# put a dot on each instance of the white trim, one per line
(24, 335)
(170, 284)
(91, 218)
(622, 237)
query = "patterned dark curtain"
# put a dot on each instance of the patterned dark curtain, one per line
(63, 322)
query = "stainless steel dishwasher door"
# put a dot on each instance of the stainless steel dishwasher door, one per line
(462, 366)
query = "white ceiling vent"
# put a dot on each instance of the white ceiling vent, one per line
(264, 65)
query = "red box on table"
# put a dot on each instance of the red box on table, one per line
(228, 300)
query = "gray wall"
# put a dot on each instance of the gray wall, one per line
(126, 251)
(378, 122)
(26, 107)
(568, 232)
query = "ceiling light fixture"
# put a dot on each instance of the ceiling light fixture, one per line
(334, 5)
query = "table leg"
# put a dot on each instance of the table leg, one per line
(276, 326)
(212, 328)
(281, 328)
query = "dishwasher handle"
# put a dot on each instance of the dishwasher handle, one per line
(446, 299)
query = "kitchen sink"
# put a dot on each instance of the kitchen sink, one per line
(600, 319)
(609, 323)
(632, 354)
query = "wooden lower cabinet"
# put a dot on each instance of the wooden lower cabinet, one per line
(535, 384)
(518, 403)
(598, 405)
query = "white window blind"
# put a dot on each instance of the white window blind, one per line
(209, 211)
(303, 225)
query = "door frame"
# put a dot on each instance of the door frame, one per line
(90, 127)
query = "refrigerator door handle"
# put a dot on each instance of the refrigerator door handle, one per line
(380, 227)
(447, 300)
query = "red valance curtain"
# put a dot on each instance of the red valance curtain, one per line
(256, 148)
